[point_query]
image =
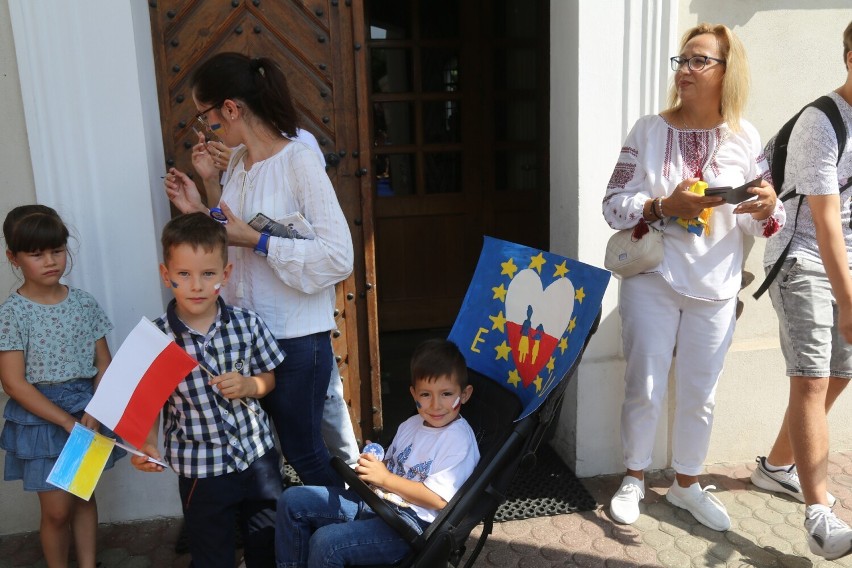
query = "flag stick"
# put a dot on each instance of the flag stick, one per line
(243, 402)
(136, 452)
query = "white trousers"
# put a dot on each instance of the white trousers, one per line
(655, 319)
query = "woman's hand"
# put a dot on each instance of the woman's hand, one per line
(220, 153)
(203, 161)
(687, 205)
(764, 206)
(239, 232)
(182, 192)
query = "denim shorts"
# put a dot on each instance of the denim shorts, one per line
(807, 322)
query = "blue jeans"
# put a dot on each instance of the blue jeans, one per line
(296, 405)
(210, 506)
(324, 527)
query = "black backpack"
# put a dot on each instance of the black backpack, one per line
(776, 154)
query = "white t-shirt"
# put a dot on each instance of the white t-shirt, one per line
(812, 168)
(292, 289)
(441, 458)
(655, 158)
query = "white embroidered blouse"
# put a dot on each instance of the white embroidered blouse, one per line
(655, 158)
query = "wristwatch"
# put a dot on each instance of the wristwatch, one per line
(262, 246)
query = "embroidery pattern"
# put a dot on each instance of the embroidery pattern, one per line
(622, 174)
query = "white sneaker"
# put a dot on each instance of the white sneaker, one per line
(828, 536)
(784, 481)
(708, 510)
(624, 507)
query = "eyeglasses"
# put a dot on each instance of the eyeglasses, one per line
(201, 117)
(696, 62)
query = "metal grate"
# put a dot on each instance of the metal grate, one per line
(548, 488)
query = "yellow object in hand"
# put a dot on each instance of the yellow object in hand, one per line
(700, 224)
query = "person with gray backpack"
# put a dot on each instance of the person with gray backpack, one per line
(811, 292)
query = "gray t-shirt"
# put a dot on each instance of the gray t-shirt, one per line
(812, 168)
(58, 340)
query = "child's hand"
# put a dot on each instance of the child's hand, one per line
(372, 471)
(90, 422)
(234, 385)
(142, 464)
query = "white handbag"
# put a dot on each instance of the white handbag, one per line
(628, 255)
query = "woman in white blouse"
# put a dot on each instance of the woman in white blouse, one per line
(289, 282)
(689, 300)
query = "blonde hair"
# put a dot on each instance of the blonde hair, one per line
(735, 83)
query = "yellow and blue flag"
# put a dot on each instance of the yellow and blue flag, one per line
(81, 462)
(526, 316)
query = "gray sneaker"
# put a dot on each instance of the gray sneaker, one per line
(828, 536)
(785, 481)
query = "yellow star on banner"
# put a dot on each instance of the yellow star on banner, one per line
(537, 261)
(551, 364)
(509, 268)
(579, 295)
(537, 383)
(499, 322)
(499, 293)
(561, 270)
(572, 324)
(503, 351)
(514, 378)
(563, 344)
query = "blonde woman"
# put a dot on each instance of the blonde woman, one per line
(688, 302)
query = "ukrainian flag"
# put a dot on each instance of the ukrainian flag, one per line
(81, 462)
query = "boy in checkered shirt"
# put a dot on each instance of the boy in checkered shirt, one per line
(216, 436)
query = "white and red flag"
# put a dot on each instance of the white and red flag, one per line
(146, 369)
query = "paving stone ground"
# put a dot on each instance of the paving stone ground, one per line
(766, 531)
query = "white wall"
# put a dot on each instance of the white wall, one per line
(795, 55)
(93, 131)
(19, 189)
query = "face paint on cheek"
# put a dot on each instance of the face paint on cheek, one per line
(217, 286)
(418, 405)
(457, 403)
(173, 283)
(215, 127)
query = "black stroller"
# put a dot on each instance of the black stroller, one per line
(504, 445)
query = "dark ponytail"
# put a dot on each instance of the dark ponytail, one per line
(257, 82)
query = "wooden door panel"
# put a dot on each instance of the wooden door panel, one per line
(474, 75)
(314, 44)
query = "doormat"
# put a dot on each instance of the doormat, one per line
(548, 488)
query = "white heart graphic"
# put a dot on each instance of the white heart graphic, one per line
(552, 308)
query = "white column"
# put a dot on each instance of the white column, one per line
(609, 66)
(92, 118)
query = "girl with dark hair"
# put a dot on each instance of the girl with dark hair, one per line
(53, 353)
(290, 282)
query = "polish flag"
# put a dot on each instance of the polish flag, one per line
(146, 369)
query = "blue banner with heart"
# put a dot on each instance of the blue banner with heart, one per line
(526, 316)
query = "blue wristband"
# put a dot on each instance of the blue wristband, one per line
(262, 246)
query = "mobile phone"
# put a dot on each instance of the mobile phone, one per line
(734, 195)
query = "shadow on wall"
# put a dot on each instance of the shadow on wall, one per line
(715, 11)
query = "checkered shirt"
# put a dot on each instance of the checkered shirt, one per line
(205, 433)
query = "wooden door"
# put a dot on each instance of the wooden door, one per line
(318, 44)
(459, 94)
